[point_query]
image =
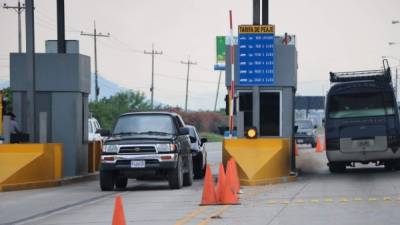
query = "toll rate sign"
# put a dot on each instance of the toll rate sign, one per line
(256, 55)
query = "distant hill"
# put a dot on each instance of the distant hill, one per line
(4, 84)
(107, 88)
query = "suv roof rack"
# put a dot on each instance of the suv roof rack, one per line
(377, 75)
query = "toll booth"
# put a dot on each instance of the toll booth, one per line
(61, 96)
(265, 75)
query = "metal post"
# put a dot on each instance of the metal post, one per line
(256, 12)
(216, 97)
(396, 83)
(152, 77)
(187, 85)
(18, 8)
(30, 69)
(265, 12)
(60, 27)
(187, 80)
(95, 35)
(96, 82)
(19, 28)
(293, 144)
(152, 53)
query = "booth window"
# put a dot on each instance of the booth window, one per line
(270, 114)
(246, 106)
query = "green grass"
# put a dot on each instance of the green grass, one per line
(212, 137)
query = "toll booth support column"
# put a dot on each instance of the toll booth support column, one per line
(256, 108)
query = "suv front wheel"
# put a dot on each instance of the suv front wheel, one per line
(107, 180)
(175, 176)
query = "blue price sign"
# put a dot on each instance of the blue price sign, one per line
(256, 55)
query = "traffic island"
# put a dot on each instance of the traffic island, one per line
(260, 161)
(26, 166)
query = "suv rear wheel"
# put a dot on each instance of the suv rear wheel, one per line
(198, 168)
(121, 182)
(188, 176)
(107, 180)
(337, 167)
(175, 176)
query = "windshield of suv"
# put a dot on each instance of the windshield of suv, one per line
(144, 124)
(361, 105)
(304, 124)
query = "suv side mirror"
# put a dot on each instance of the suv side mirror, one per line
(103, 132)
(183, 131)
(203, 140)
(193, 139)
(296, 128)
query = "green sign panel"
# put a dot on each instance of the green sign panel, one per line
(220, 49)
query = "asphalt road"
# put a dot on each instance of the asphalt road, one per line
(367, 195)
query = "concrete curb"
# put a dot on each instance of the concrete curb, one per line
(51, 183)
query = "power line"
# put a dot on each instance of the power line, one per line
(95, 35)
(188, 63)
(152, 53)
(18, 9)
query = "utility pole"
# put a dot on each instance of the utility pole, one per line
(30, 70)
(152, 53)
(188, 63)
(95, 35)
(18, 9)
(216, 97)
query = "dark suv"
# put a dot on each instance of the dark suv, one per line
(146, 144)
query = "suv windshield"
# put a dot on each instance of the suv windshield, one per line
(306, 124)
(361, 105)
(144, 124)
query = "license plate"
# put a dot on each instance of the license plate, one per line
(364, 143)
(138, 164)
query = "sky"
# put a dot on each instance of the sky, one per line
(331, 35)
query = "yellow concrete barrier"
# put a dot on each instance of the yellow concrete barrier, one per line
(260, 160)
(94, 152)
(25, 166)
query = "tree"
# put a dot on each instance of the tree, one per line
(107, 110)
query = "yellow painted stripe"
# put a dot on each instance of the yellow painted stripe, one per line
(215, 214)
(191, 215)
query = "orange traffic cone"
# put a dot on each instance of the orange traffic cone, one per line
(319, 147)
(221, 183)
(209, 197)
(119, 216)
(296, 149)
(234, 178)
(229, 196)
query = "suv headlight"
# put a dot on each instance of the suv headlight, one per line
(110, 148)
(166, 147)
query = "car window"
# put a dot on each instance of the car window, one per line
(192, 132)
(144, 124)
